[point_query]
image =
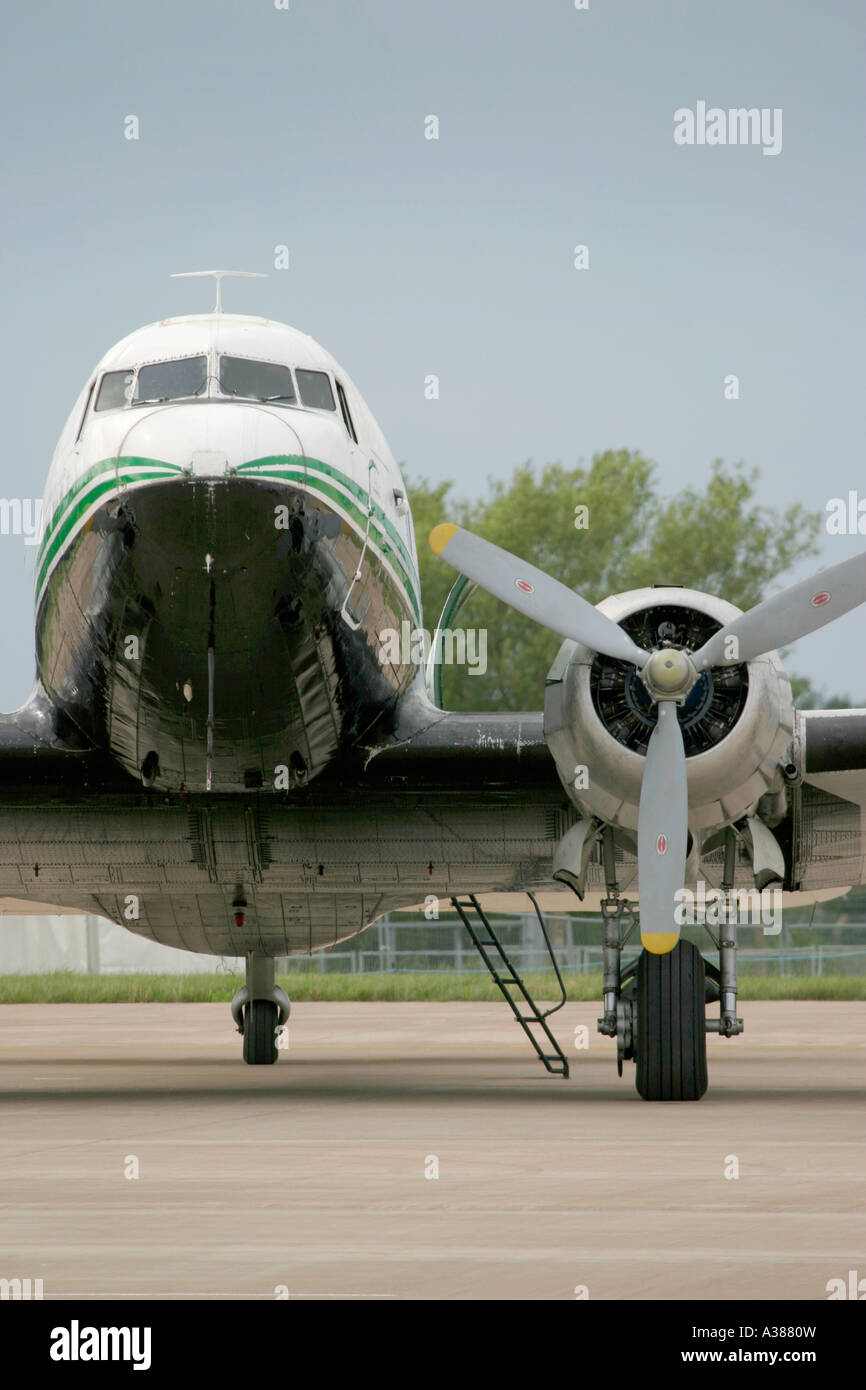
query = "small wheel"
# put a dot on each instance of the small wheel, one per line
(671, 1043)
(624, 1031)
(260, 1032)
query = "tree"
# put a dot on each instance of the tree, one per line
(807, 697)
(717, 540)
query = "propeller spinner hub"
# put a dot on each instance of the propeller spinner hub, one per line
(669, 674)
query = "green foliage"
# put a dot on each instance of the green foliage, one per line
(806, 696)
(716, 539)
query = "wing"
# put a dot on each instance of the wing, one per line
(41, 753)
(502, 752)
(448, 803)
(48, 780)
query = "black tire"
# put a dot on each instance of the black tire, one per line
(671, 1043)
(260, 1036)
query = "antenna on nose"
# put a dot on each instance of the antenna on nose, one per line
(219, 276)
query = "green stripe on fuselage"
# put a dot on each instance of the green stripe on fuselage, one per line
(358, 492)
(56, 531)
(286, 468)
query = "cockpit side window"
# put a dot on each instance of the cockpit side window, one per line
(315, 389)
(114, 390)
(344, 408)
(261, 381)
(170, 381)
(85, 410)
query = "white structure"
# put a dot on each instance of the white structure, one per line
(39, 945)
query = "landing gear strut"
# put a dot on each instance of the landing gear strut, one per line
(620, 1005)
(260, 1010)
(727, 1025)
(620, 1009)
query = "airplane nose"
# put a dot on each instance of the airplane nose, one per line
(209, 438)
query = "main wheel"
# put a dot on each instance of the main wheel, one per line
(671, 1043)
(260, 1032)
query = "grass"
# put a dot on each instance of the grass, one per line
(64, 987)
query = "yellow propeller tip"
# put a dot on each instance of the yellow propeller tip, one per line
(441, 535)
(659, 942)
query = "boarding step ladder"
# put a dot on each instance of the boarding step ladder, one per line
(505, 976)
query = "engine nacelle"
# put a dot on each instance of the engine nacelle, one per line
(737, 721)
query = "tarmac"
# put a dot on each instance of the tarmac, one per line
(420, 1151)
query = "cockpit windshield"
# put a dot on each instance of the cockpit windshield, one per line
(169, 381)
(115, 390)
(315, 389)
(240, 378)
(261, 381)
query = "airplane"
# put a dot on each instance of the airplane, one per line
(220, 754)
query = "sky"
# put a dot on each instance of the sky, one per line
(305, 127)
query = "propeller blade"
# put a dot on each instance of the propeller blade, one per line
(662, 832)
(533, 593)
(797, 611)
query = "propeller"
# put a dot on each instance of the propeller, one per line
(533, 593)
(668, 675)
(795, 612)
(662, 831)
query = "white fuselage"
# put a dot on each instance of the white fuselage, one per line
(223, 505)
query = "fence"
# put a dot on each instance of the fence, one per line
(399, 943)
(395, 945)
